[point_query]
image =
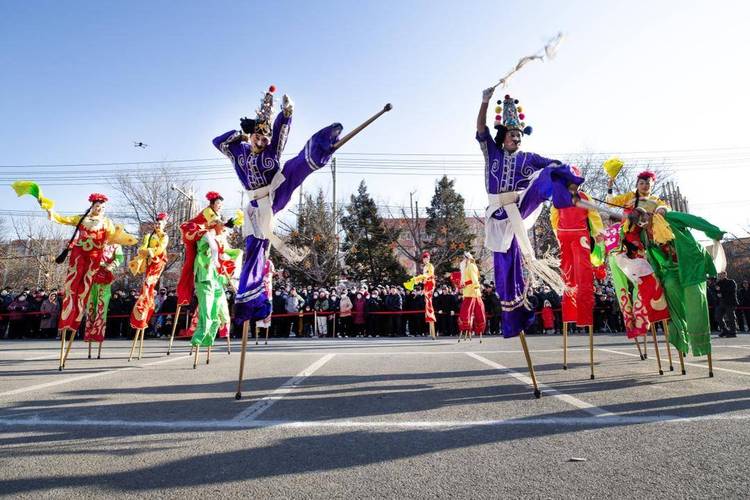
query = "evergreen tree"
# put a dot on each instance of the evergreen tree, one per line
(368, 247)
(448, 233)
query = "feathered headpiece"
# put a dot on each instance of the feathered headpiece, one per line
(263, 116)
(212, 196)
(510, 115)
(98, 198)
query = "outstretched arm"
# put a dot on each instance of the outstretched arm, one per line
(482, 116)
(281, 127)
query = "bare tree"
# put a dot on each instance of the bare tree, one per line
(29, 259)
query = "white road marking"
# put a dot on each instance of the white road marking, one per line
(48, 356)
(578, 403)
(69, 380)
(252, 412)
(365, 424)
(716, 368)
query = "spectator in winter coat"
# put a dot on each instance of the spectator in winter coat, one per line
(345, 316)
(50, 311)
(393, 304)
(359, 315)
(322, 305)
(727, 295)
(743, 314)
(374, 305)
(18, 316)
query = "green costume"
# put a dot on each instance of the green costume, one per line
(213, 268)
(101, 291)
(682, 266)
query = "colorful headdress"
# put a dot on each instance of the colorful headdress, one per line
(98, 198)
(647, 174)
(161, 216)
(263, 116)
(425, 254)
(510, 115)
(212, 196)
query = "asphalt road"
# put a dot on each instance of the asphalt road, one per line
(375, 418)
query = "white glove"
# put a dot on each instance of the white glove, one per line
(487, 94)
(287, 105)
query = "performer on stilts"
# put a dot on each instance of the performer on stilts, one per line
(576, 229)
(192, 231)
(517, 183)
(471, 318)
(150, 261)
(214, 265)
(93, 231)
(255, 153)
(427, 278)
(639, 292)
(101, 292)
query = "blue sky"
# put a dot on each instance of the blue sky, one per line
(82, 80)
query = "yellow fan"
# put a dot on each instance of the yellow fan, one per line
(409, 285)
(613, 166)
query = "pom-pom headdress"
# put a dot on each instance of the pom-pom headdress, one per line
(212, 196)
(98, 198)
(647, 174)
(425, 254)
(510, 116)
(263, 116)
(161, 216)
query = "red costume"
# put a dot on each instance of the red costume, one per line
(151, 260)
(192, 231)
(574, 226)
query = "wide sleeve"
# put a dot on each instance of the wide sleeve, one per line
(116, 235)
(429, 272)
(281, 127)
(682, 220)
(226, 141)
(554, 218)
(538, 162)
(596, 225)
(621, 200)
(68, 220)
(486, 142)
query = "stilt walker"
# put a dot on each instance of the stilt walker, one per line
(255, 153)
(577, 228)
(150, 261)
(427, 278)
(93, 231)
(214, 265)
(471, 318)
(101, 291)
(517, 183)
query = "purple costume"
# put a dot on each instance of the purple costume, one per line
(270, 188)
(538, 179)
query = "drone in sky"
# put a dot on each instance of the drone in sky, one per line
(141, 145)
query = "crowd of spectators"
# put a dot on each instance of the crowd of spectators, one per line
(361, 311)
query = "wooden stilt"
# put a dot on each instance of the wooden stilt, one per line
(208, 355)
(710, 366)
(669, 347)
(245, 330)
(89, 350)
(565, 345)
(480, 336)
(656, 349)
(70, 344)
(267, 329)
(433, 333)
(174, 329)
(62, 348)
(591, 349)
(195, 359)
(132, 347)
(645, 347)
(229, 340)
(140, 350)
(257, 329)
(99, 351)
(537, 392)
(682, 362)
(192, 348)
(638, 345)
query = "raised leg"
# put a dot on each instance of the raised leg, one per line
(537, 392)
(669, 348)
(710, 365)
(62, 348)
(243, 352)
(656, 349)
(174, 328)
(565, 345)
(591, 349)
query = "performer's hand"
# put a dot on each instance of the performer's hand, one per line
(487, 94)
(287, 105)
(610, 183)
(599, 238)
(49, 213)
(247, 125)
